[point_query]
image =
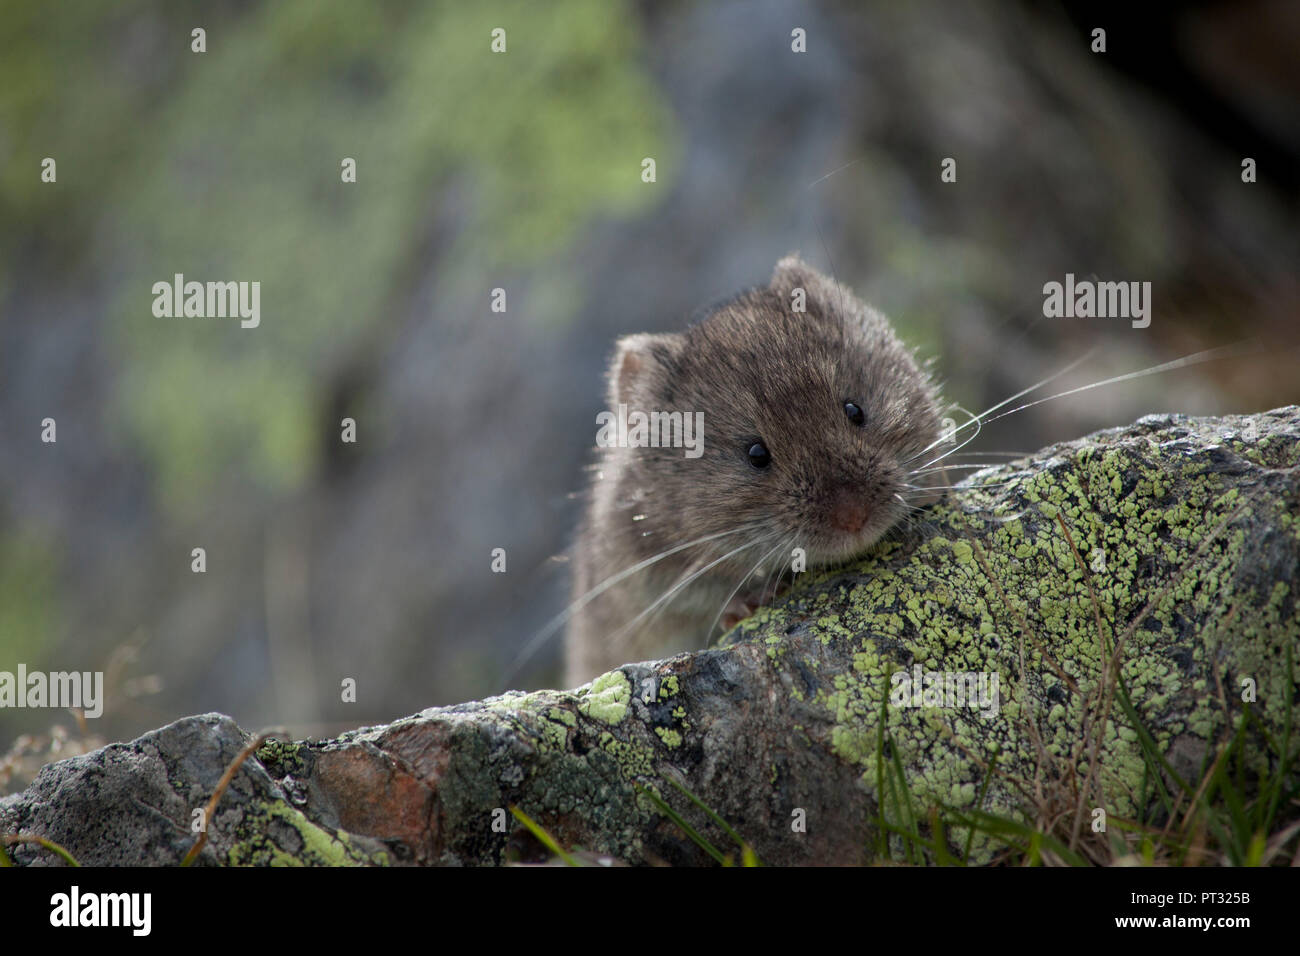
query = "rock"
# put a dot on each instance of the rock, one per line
(1175, 539)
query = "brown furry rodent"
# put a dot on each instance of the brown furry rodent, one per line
(818, 426)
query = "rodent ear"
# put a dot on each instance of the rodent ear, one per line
(640, 360)
(792, 271)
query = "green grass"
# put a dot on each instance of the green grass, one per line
(747, 855)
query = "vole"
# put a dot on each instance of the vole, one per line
(819, 432)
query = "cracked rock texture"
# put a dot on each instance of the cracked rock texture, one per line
(1182, 549)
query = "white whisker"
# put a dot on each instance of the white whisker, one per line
(1006, 401)
(553, 625)
(750, 573)
(979, 427)
(676, 589)
(1194, 359)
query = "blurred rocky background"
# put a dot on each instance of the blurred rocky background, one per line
(522, 171)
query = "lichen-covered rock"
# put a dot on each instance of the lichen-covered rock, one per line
(1170, 547)
(133, 804)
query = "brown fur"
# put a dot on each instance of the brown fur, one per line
(757, 370)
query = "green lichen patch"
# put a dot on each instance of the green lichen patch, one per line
(670, 737)
(275, 834)
(633, 759)
(669, 687)
(608, 697)
(281, 757)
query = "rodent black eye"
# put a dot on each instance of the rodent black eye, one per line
(855, 414)
(759, 456)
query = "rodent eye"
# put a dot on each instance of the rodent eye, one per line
(856, 415)
(759, 456)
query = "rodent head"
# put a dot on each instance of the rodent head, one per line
(812, 421)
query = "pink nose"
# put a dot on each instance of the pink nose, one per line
(848, 511)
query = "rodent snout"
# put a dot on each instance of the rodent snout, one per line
(848, 512)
